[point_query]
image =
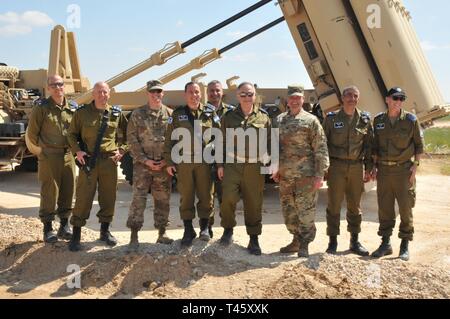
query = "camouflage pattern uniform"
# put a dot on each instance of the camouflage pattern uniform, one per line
(47, 128)
(303, 156)
(145, 137)
(394, 147)
(85, 126)
(350, 150)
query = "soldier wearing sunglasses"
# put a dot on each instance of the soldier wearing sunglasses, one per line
(398, 139)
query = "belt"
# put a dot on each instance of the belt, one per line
(348, 161)
(103, 155)
(392, 163)
(57, 149)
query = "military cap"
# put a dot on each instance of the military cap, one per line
(154, 85)
(396, 91)
(295, 90)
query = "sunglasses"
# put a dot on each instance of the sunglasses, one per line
(248, 94)
(399, 98)
(57, 84)
(155, 91)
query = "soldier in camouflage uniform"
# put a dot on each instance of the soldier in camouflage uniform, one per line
(303, 163)
(350, 137)
(82, 136)
(47, 128)
(215, 98)
(241, 173)
(398, 138)
(193, 173)
(145, 137)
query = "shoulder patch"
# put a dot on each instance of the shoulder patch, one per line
(41, 102)
(411, 117)
(73, 105)
(170, 120)
(331, 114)
(264, 111)
(229, 107)
(380, 114)
(365, 116)
(116, 110)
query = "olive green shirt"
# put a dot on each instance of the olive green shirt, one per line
(350, 139)
(86, 123)
(235, 119)
(398, 142)
(49, 123)
(184, 117)
(146, 133)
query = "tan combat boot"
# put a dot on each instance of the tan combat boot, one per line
(163, 238)
(293, 247)
(133, 246)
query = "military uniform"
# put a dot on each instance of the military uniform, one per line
(145, 136)
(85, 127)
(394, 146)
(47, 128)
(350, 150)
(193, 177)
(242, 173)
(303, 156)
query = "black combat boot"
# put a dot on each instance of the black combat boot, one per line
(49, 235)
(163, 238)
(211, 234)
(332, 245)
(133, 246)
(64, 231)
(227, 237)
(189, 234)
(204, 231)
(384, 249)
(253, 245)
(356, 247)
(106, 236)
(74, 244)
(293, 247)
(303, 250)
(404, 252)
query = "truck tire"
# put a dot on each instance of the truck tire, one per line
(126, 164)
(9, 72)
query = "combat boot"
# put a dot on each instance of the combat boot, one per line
(356, 247)
(204, 230)
(384, 249)
(211, 234)
(332, 245)
(189, 234)
(49, 234)
(133, 246)
(227, 237)
(64, 231)
(163, 238)
(303, 250)
(293, 247)
(106, 236)
(404, 252)
(253, 245)
(74, 244)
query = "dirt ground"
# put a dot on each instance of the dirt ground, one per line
(31, 269)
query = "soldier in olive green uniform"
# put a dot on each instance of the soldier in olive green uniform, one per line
(241, 173)
(47, 129)
(398, 138)
(193, 172)
(350, 137)
(145, 136)
(84, 131)
(215, 99)
(303, 163)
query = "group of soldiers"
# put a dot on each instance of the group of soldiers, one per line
(346, 150)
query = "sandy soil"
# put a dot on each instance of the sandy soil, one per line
(31, 269)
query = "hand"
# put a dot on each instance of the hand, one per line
(118, 154)
(171, 170)
(153, 165)
(374, 173)
(80, 157)
(413, 170)
(317, 183)
(276, 177)
(220, 173)
(367, 176)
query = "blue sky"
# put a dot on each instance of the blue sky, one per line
(115, 35)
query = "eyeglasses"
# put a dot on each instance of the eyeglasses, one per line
(248, 94)
(399, 98)
(57, 84)
(155, 91)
